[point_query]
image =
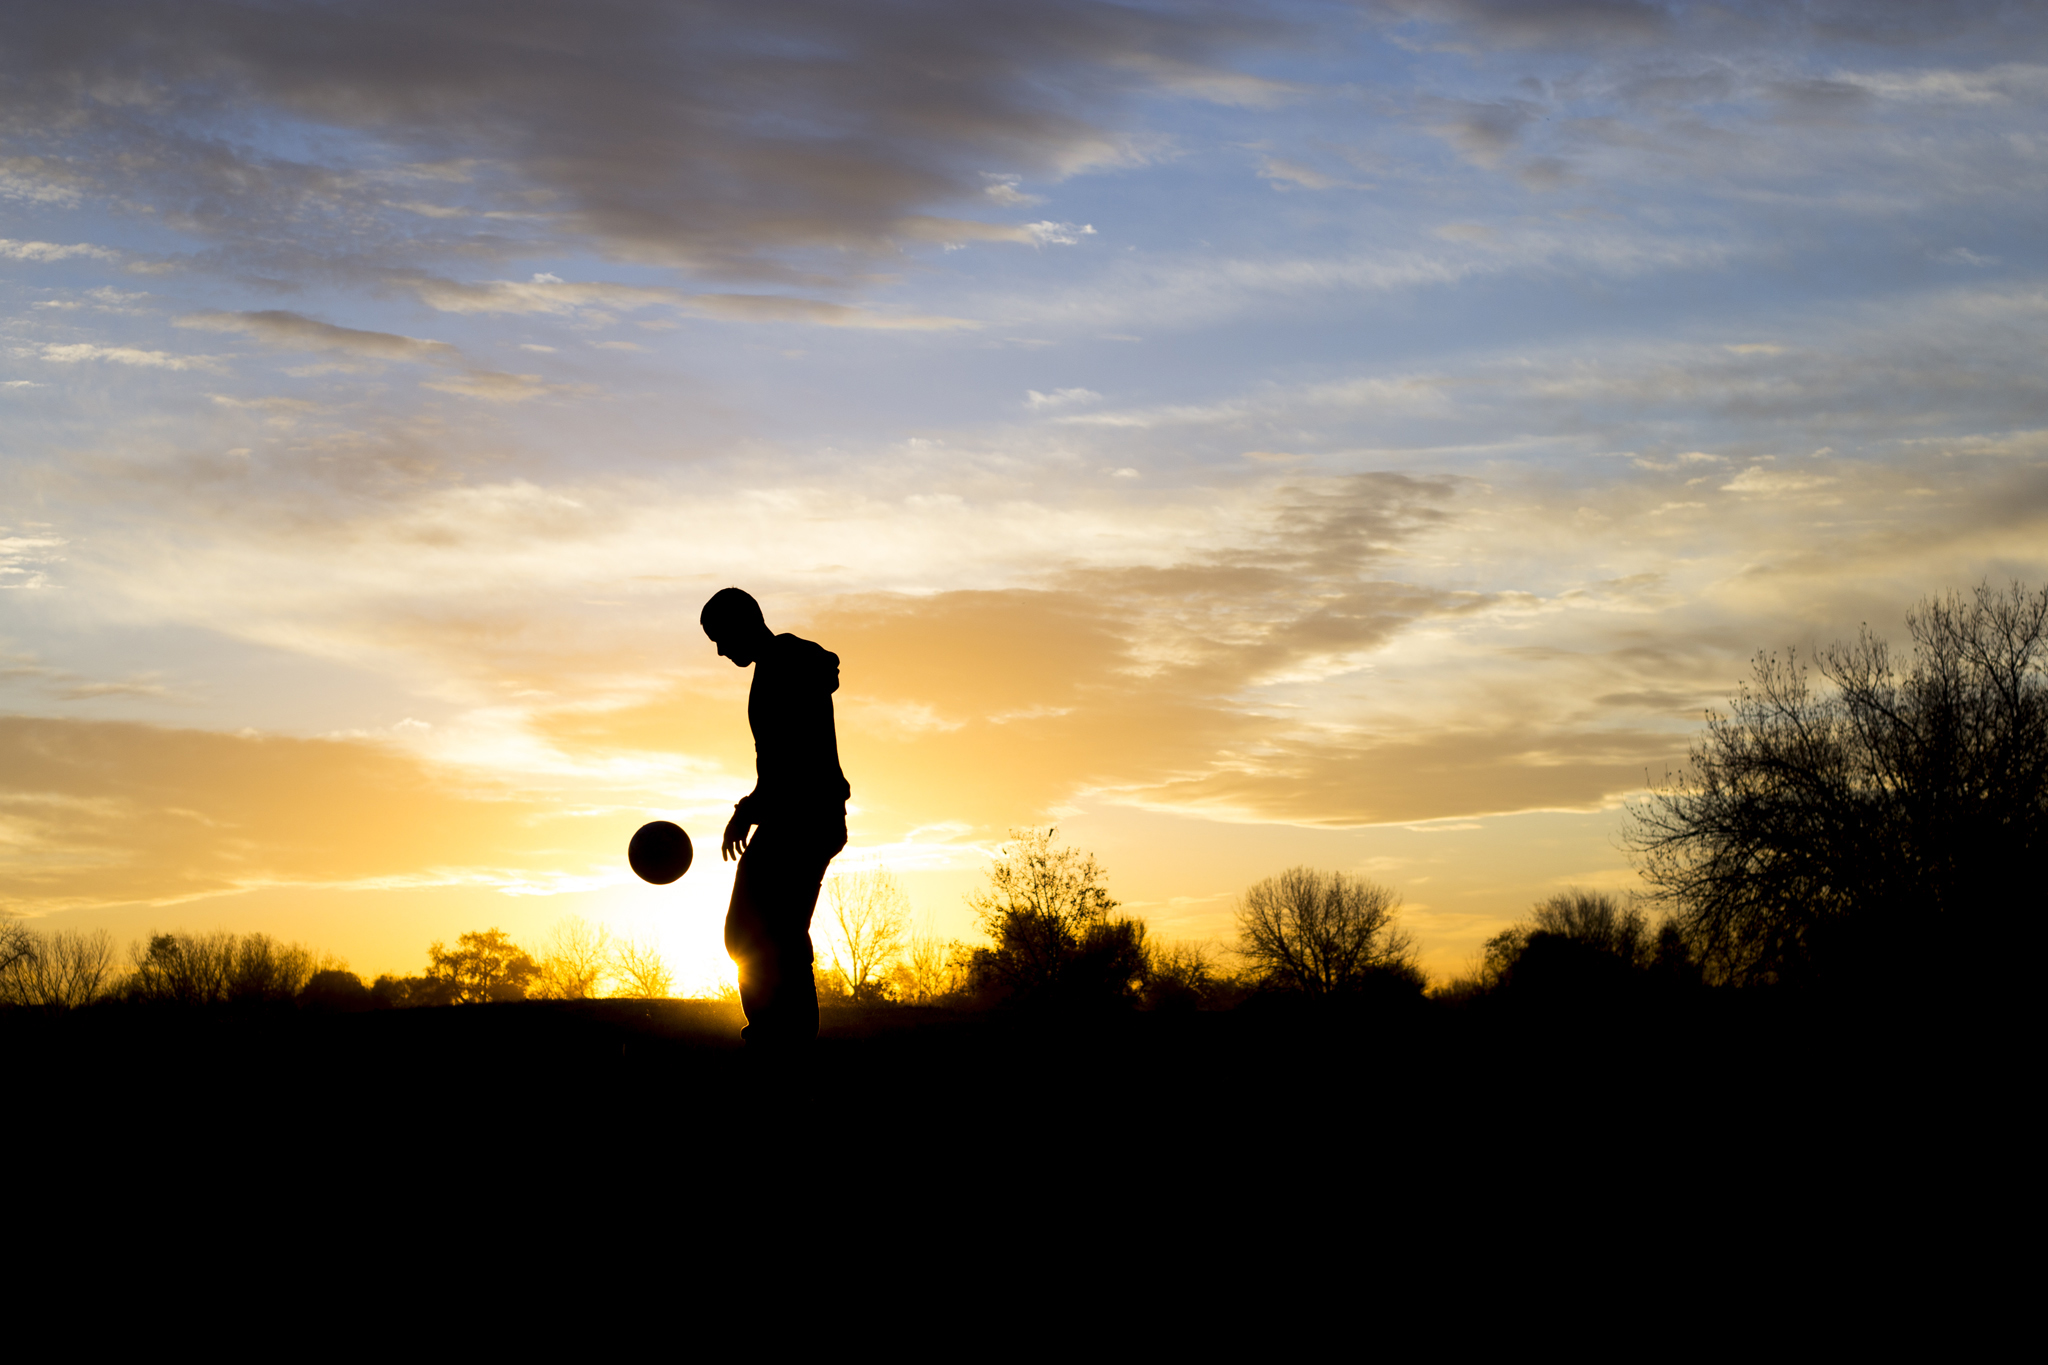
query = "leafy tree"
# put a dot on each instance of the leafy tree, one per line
(1323, 934)
(1055, 936)
(870, 913)
(483, 966)
(1817, 834)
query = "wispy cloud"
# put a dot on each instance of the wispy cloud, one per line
(548, 295)
(74, 353)
(1056, 234)
(1283, 173)
(494, 387)
(1059, 398)
(776, 308)
(25, 558)
(144, 686)
(290, 331)
(541, 294)
(1757, 479)
(52, 251)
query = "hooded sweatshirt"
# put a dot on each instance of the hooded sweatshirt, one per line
(796, 747)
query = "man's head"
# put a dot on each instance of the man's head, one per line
(733, 621)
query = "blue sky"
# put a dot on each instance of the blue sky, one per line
(1332, 433)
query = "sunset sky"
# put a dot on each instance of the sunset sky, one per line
(1363, 435)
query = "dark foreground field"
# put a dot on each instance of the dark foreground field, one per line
(1704, 1081)
(1258, 1165)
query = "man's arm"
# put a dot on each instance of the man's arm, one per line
(735, 841)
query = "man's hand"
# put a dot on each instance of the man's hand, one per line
(735, 836)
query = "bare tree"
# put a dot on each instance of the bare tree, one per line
(205, 969)
(63, 970)
(190, 969)
(640, 971)
(17, 940)
(575, 962)
(870, 912)
(1598, 919)
(1819, 831)
(264, 969)
(20, 962)
(1321, 933)
(932, 968)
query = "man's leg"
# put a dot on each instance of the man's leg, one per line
(768, 928)
(746, 943)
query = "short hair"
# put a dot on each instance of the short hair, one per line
(730, 606)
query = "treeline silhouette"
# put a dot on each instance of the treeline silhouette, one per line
(1813, 841)
(72, 968)
(69, 969)
(1741, 1011)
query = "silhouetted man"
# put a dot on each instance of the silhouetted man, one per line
(797, 812)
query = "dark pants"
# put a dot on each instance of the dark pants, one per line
(768, 928)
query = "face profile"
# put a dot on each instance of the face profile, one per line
(733, 622)
(740, 651)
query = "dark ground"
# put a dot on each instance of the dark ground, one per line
(1680, 1082)
(1668, 1173)
(627, 1157)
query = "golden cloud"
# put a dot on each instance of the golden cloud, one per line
(987, 708)
(102, 813)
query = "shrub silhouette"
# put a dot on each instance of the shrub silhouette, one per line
(410, 992)
(336, 991)
(1586, 946)
(1183, 976)
(1056, 938)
